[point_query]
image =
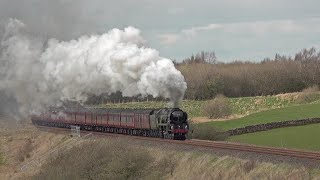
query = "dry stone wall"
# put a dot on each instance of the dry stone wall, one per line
(273, 125)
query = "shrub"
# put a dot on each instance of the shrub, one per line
(307, 98)
(311, 89)
(205, 132)
(248, 166)
(308, 95)
(217, 108)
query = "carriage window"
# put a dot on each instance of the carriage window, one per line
(80, 117)
(53, 116)
(116, 117)
(70, 117)
(111, 117)
(129, 119)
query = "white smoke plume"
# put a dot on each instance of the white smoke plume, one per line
(40, 73)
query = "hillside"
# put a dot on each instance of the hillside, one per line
(22, 143)
(240, 106)
(122, 159)
(280, 114)
(301, 137)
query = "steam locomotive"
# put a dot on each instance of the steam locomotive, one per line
(168, 123)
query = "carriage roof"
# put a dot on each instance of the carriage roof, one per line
(83, 109)
(101, 110)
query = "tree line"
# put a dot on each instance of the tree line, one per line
(206, 77)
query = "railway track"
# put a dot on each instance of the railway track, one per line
(312, 155)
(259, 149)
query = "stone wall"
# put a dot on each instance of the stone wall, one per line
(273, 125)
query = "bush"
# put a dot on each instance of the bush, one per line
(311, 89)
(308, 95)
(217, 108)
(205, 132)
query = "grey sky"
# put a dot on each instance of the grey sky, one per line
(234, 29)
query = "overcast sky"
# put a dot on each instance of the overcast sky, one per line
(234, 29)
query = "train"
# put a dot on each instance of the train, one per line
(167, 123)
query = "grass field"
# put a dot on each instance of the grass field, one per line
(240, 106)
(301, 137)
(280, 114)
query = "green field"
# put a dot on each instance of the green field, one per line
(301, 137)
(280, 114)
(240, 106)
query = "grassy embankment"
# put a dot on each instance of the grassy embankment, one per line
(123, 159)
(113, 158)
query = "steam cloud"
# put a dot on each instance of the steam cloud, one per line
(41, 73)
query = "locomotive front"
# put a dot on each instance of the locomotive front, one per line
(178, 123)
